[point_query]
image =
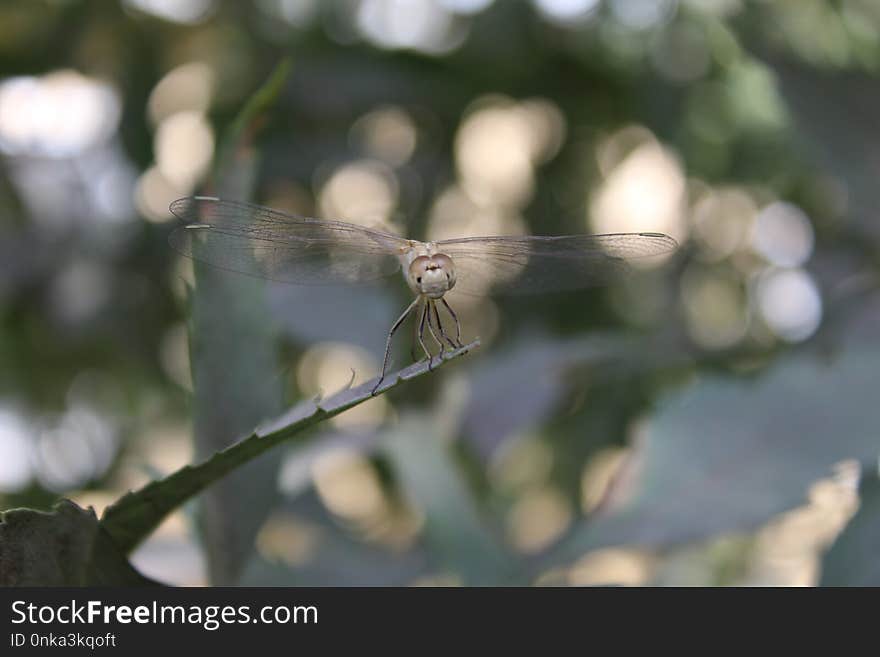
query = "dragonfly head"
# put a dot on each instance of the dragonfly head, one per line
(432, 276)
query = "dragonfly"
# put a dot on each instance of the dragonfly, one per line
(277, 246)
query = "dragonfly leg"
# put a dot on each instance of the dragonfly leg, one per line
(457, 324)
(434, 329)
(440, 325)
(394, 328)
(415, 336)
(422, 337)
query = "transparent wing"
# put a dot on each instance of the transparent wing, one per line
(532, 264)
(258, 241)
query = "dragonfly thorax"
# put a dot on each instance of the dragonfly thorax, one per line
(432, 275)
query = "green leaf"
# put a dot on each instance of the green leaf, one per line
(853, 558)
(64, 547)
(521, 387)
(454, 529)
(233, 351)
(727, 455)
(242, 131)
(135, 515)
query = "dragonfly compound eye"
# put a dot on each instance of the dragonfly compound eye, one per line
(431, 275)
(445, 264)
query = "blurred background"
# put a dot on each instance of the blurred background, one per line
(660, 430)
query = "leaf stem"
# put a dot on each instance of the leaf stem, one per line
(136, 514)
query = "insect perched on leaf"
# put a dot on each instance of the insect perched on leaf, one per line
(274, 245)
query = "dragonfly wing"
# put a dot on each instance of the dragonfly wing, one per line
(258, 241)
(532, 264)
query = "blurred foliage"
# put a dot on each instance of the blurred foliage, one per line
(852, 561)
(232, 393)
(702, 422)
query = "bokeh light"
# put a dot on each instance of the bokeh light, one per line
(16, 468)
(348, 485)
(60, 114)
(154, 193)
(75, 449)
(176, 11)
(187, 88)
(174, 356)
(612, 567)
(184, 148)
(598, 475)
(715, 308)
(783, 235)
(722, 222)
(642, 14)
(789, 303)
(183, 142)
(494, 155)
(566, 11)
(644, 191)
(539, 517)
(362, 192)
(386, 133)
(520, 463)
(498, 145)
(422, 25)
(285, 538)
